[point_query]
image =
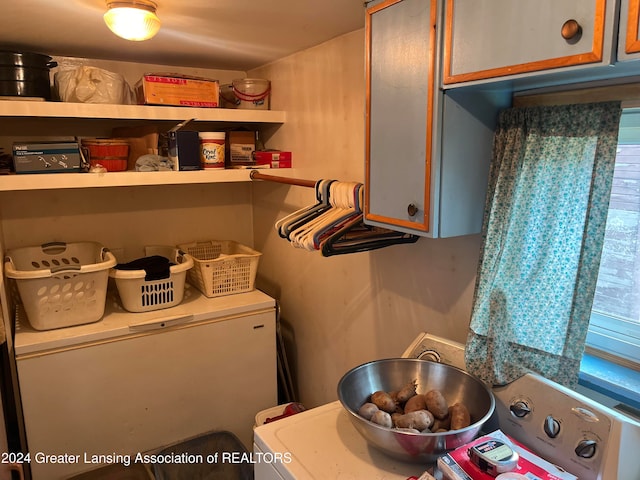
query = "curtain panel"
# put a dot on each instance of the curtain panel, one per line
(543, 230)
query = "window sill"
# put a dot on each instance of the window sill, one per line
(619, 383)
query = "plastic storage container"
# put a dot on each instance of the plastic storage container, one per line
(248, 93)
(222, 267)
(142, 292)
(223, 456)
(61, 284)
(212, 146)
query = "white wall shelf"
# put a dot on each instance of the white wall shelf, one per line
(22, 108)
(56, 181)
(26, 110)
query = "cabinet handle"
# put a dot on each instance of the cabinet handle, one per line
(412, 210)
(160, 323)
(571, 30)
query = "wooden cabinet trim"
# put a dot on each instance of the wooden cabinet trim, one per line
(591, 57)
(431, 58)
(420, 226)
(632, 42)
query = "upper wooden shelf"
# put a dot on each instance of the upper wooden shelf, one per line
(25, 108)
(56, 181)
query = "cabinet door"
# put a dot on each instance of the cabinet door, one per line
(497, 38)
(400, 36)
(629, 37)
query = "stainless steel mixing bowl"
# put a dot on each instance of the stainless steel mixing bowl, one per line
(391, 374)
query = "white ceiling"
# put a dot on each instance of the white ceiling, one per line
(221, 34)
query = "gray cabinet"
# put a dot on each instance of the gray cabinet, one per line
(629, 38)
(489, 39)
(427, 152)
(401, 91)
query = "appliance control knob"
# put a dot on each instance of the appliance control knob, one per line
(430, 355)
(586, 448)
(551, 427)
(520, 409)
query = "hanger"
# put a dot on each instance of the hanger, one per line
(348, 217)
(284, 222)
(345, 203)
(355, 236)
(294, 220)
(335, 223)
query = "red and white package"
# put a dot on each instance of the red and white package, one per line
(456, 465)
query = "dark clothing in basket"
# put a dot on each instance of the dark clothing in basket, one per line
(156, 267)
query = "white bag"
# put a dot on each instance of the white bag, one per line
(87, 84)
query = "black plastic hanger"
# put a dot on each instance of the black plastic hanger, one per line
(356, 236)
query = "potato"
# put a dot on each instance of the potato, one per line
(367, 410)
(382, 418)
(460, 417)
(394, 417)
(406, 392)
(383, 401)
(416, 402)
(441, 424)
(436, 403)
(420, 420)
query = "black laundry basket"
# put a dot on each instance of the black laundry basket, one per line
(233, 459)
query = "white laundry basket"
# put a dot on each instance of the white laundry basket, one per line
(141, 295)
(61, 284)
(222, 267)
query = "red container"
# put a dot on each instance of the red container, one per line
(111, 153)
(273, 158)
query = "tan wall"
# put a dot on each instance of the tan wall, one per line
(128, 218)
(349, 309)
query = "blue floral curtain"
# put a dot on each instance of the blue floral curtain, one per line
(544, 222)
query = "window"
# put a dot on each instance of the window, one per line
(615, 318)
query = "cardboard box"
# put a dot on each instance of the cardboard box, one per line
(169, 89)
(273, 158)
(456, 465)
(143, 140)
(47, 157)
(240, 148)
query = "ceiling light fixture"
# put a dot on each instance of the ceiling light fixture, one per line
(132, 20)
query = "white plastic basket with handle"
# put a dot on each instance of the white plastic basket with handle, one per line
(222, 267)
(140, 295)
(61, 284)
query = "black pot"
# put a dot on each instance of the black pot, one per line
(25, 75)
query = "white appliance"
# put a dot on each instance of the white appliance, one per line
(134, 383)
(564, 427)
